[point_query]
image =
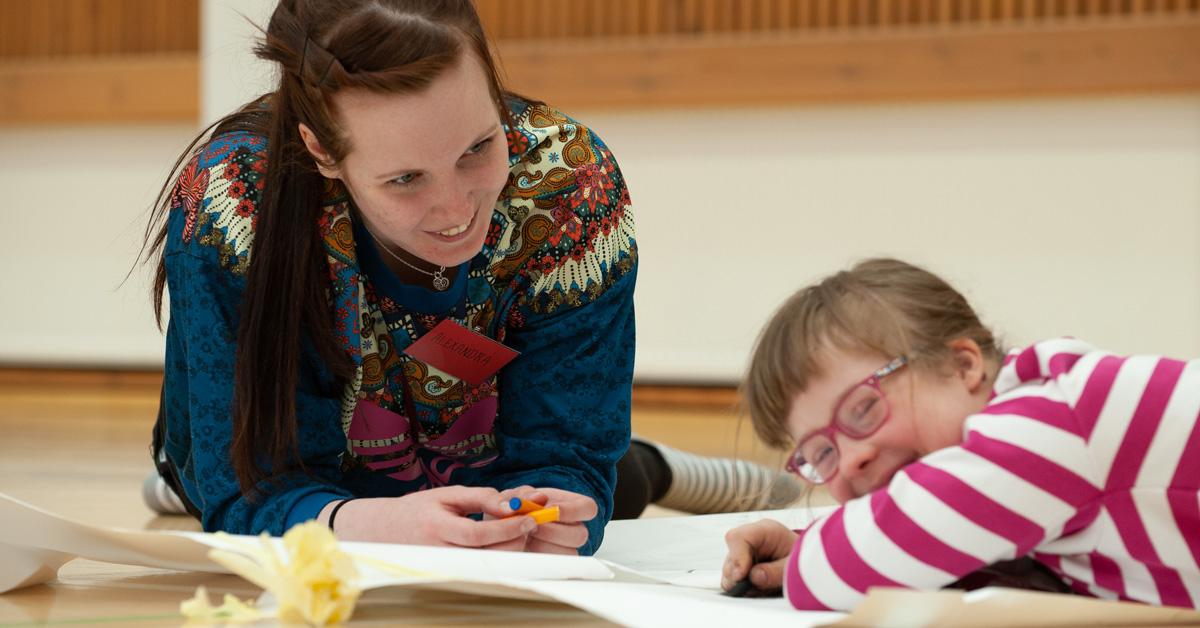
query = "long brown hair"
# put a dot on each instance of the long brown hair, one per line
(883, 306)
(321, 47)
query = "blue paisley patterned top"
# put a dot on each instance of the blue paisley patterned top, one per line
(554, 280)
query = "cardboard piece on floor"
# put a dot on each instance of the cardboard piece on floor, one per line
(1007, 607)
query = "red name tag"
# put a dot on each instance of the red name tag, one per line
(461, 352)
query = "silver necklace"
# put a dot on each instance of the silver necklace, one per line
(440, 283)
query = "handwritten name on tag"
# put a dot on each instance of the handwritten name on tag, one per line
(461, 352)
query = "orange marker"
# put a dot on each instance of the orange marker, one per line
(545, 515)
(533, 509)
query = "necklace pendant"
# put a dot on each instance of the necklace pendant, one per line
(440, 283)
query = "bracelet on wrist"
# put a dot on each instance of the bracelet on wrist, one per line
(333, 513)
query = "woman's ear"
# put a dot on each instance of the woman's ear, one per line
(969, 364)
(324, 162)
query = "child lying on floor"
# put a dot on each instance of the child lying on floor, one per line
(948, 455)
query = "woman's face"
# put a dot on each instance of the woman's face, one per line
(927, 411)
(425, 169)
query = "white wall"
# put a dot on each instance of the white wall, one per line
(74, 208)
(230, 75)
(1077, 216)
(76, 200)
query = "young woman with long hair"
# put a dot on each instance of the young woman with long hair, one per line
(348, 258)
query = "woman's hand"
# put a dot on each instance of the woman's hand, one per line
(566, 535)
(437, 516)
(761, 549)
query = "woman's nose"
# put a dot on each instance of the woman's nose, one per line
(454, 202)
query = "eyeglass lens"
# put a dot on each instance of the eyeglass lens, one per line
(860, 413)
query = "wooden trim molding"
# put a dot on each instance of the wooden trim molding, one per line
(1132, 57)
(119, 89)
(13, 377)
(80, 378)
(685, 396)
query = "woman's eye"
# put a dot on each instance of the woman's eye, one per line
(480, 147)
(405, 179)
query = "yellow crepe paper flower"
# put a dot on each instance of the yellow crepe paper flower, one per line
(314, 582)
(231, 611)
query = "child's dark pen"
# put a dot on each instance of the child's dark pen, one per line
(740, 588)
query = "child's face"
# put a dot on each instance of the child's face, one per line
(927, 411)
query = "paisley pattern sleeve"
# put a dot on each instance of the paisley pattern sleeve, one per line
(210, 230)
(564, 417)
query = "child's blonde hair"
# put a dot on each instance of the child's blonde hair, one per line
(882, 306)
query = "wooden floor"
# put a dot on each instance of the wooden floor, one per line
(77, 444)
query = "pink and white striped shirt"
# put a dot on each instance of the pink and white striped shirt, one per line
(1088, 461)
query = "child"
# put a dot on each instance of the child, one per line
(949, 456)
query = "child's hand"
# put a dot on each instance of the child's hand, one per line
(437, 516)
(566, 535)
(761, 549)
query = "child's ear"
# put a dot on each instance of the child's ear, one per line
(324, 162)
(969, 364)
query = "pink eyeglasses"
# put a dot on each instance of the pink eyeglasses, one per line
(859, 413)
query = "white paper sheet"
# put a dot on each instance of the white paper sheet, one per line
(35, 543)
(685, 551)
(633, 604)
(627, 585)
(438, 563)
(40, 542)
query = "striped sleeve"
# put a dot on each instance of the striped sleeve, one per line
(1021, 476)
(1142, 422)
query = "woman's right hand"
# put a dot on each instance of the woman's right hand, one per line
(437, 516)
(759, 549)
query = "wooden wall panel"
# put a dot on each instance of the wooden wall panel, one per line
(601, 53)
(69, 28)
(550, 19)
(1146, 58)
(718, 52)
(37, 28)
(98, 61)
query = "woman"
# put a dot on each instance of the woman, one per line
(391, 191)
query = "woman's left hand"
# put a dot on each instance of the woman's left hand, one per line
(566, 535)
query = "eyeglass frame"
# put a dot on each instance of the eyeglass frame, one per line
(828, 431)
